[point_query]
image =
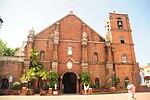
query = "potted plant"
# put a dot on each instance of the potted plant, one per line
(53, 82)
(29, 91)
(85, 80)
(16, 88)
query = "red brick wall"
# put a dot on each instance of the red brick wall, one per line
(11, 68)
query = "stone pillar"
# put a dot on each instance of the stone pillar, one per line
(54, 66)
(55, 51)
(109, 74)
(108, 44)
(55, 55)
(109, 66)
(84, 62)
(26, 64)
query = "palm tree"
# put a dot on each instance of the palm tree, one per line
(34, 55)
(44, 76)
(29, 76)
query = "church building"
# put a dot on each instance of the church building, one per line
(69, 47)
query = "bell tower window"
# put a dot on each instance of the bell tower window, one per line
(122, 40)
(95, 57)
(124, 58)
(119, 23)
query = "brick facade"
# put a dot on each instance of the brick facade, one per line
(101, 58)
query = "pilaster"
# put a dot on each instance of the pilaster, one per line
(55, 51)
(84, 44)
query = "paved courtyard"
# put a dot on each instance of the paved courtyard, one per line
(124, 96)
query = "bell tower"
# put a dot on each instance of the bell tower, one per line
(119, 34)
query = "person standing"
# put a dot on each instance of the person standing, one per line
(141, 77)
(131, 89)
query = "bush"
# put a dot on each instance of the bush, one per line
(116, 80)
(103, 86)
(16, 86)
(94, 86)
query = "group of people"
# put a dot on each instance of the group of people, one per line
(131, 90)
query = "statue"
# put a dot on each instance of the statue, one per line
(56, 33)
(55, 88)
(86, 88)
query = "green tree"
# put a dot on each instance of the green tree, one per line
(35, 61)
(53, 79)
(10, 51)
(85, 78)
(35, 68)
(5, 51)
(3, 47)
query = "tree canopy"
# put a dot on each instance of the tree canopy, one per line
(5, 51)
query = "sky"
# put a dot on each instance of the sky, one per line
(20, 16)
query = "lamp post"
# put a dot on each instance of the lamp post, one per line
(1, 21)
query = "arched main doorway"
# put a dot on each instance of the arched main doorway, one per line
(69, 83)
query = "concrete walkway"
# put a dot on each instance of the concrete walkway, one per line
(124, 96)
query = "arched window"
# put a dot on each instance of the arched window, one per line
(42, 55)
(124, 58)
(119, 23)
(97, 81)
(4, 83)
(126, 81)
(95, 57)
(122, 39)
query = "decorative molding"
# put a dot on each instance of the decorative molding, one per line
(71, 60)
